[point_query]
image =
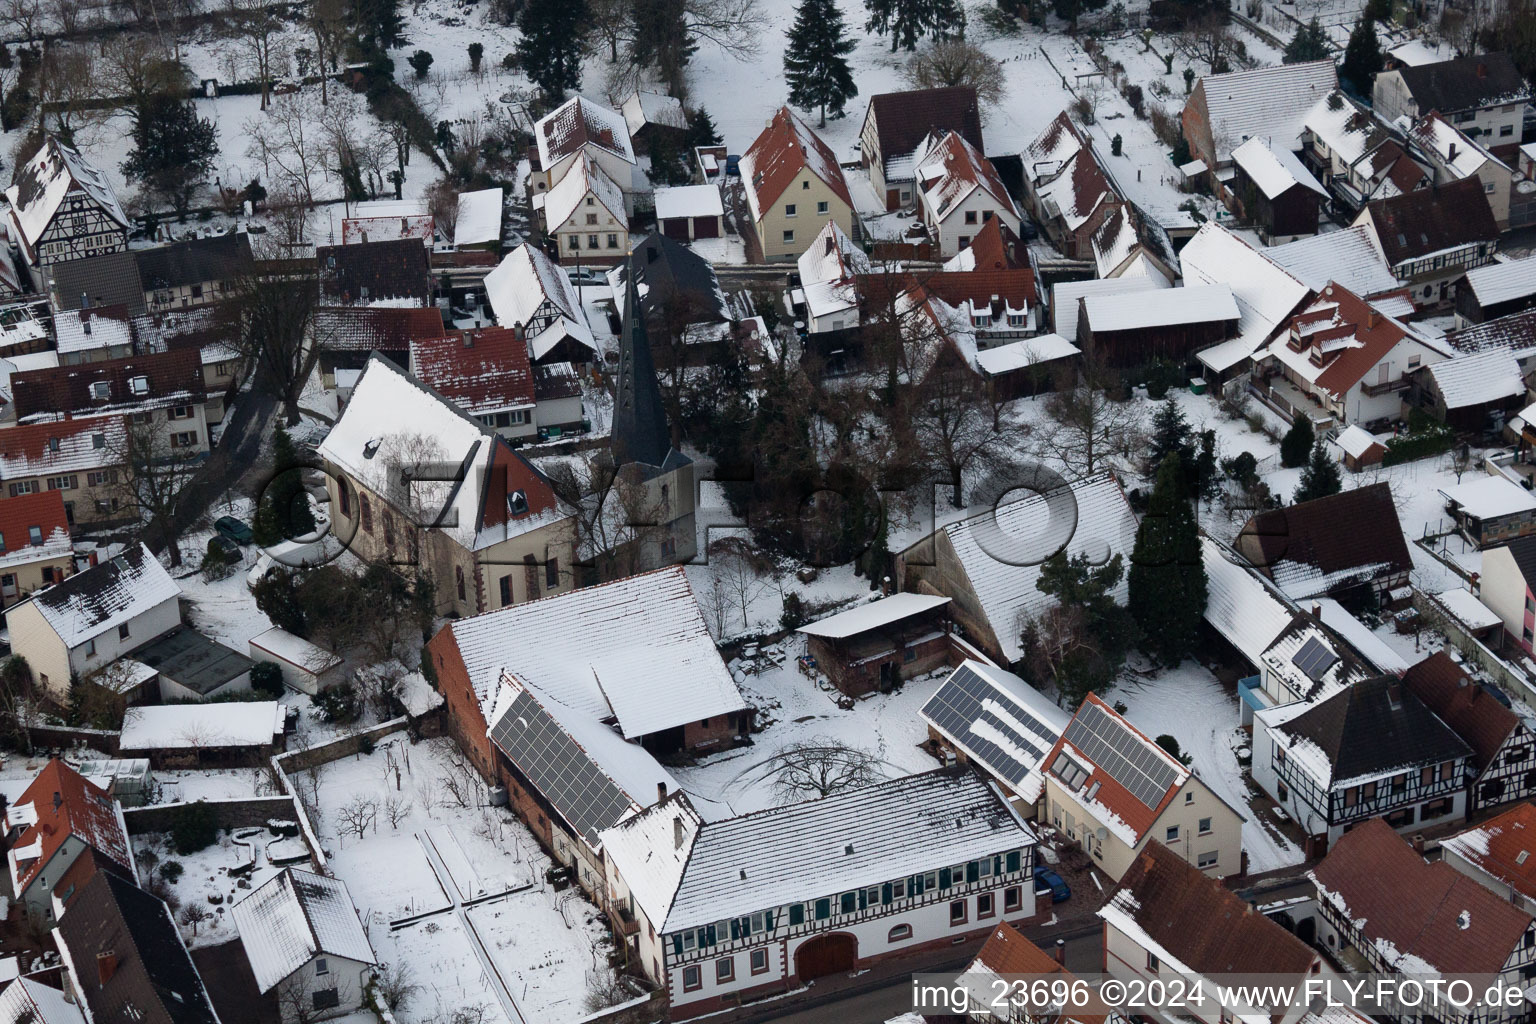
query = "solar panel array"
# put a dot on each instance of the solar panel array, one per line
(557, 765)
(957, 707)
(1122, 754)
(1315, 658)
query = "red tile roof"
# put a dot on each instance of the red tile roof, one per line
(1503, 847)
(996, 247)
(1349, 316)
(1465, 706)
(65, 805)
(964, 168)
(170, 378)
(904, 119)
(777, 156)
(44, 510)
(1408, 908)
(1008, 952)
(509, 472)
(1016, 287)
(27, 450)
(1111, 794)
(1203, 924)
(381, 328)
(479, 371)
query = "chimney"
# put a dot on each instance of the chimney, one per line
(677, 833)
(1373, 318)
(1317, 611)
(1451, 156)
(106, 966)
(1418, 842)
(1482, 70)
(661, 792)
(1061, 951)
(85, 322)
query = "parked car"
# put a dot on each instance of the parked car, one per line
(234, 529)
(586, 275)
(1045, 879)
(231, 550)
(733, 164)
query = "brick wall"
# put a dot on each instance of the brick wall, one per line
(463, 719)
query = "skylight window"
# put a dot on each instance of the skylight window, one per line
(517, 503)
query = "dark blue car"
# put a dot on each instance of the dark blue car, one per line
(1045, 878)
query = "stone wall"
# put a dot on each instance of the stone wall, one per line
(241, 812)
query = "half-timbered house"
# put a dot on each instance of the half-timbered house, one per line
(1503, 745)
(64, 209)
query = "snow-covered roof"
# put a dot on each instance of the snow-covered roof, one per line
(690, 201)
(1161, 308)
(51, 174)
(1270, 101)
(827, 270)
(1241, 604)
(1265, 294)
(479, 218)
(1280, 662)
(645, 108)
(105, 596)
(583, 177)
(1017, 355)
(777, 156)
(1478, 378)
(27, 1001)
(1002, 550)
(1467, 609)
(1065, 296)
(649, 851)
(873, 615)
(1459, 155)
(999, 722)
(294, 917)
(1347, 257)
(1494, 283)
(1359, 636)
(639, 643)
(844, 841)
(1275, 170)
(201, 726)
(519, 287)
(293, 649)
(81, 330)
(1355, 441)
(950, 170)
(1490, 497)
(1417, 51)
(579, 122)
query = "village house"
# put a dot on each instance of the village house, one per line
(685, 213)
(1113, 791)
(305, 945)
(1433, 236)
(200, 331)
(829, 268)
(681, 299)
(989, 307)
(194, 272)
(1490, 510)
(1266, 295)
(1168, 919)
(486, 374)
(1507, 585)
(28, 1000)
(163, 395)
(189, 666)
(1515, 332)
(751, 906)
(1367, 750)
(528, 291)
(1430, 922)
(390, 273)
(988, 565)
(306, 667)
(1497, 855)
(1473, 393)
(111, 279)
(876, 645)
(1026, 367)
(62, 208)
(648, 115)
(1129, 244)
(1496, 290)
(388, 220)
(348, 335)
(1483, 95)
(794, 187)
(77, 628)
(1342, 361)
(80, 458)
(1346, 257)
(998, 724)
(994, 248)
(1310, 549)
(995, 995)
(1271, 189)
(896, 126)
(1452, 155)
(35, 547)
(1170, 323)
(124, 957)
(1066, 188)
(486, 523)
(1224, 111)
(93, 334)
(1503, 761)
(580, 128)
(584, 215)
(1355, 156)
(63, 831)
(958, 190)
(477, 220)
(540, 721)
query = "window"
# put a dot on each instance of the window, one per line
(321, 966)
(957, 911)
(1351, 796)
(823, 908)
(1514, 755)
(1189, 797)
(789, 210)
(899, 933)
(35, 536)
(759, 961)
(552, 573)
(965, 241)
(613, 241)
(1151, 961)
(575, 241)
(1488, 187)
(101, 390)
(986, 905)
(1206, 860)
(1013, 899)
(592, 219)
(970, 216)
(90, 648)
(591, 201)
(367, 509)
(458, 579)
(1015, 319)
(184, 439)
(1413, 362)
(63, 483)
(180, 412)
(1205, 826)
(138, 385)
(197, 291)
(24, 487)
(327, 999)
(805, 185)
(789, 236)
(591, 241)
(848, 902)
(122, 631)
(1172, 834)
(506, 590)
(98, 441)
(1505, 131)
(691, 979)
(725, 969)
(1436, 809)
(821, 208)
(899, 889)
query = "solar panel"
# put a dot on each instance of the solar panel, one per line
(556, 764)
(959, 710)
(1315, 658)
(1122, 754)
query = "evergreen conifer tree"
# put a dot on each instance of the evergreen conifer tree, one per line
(1321, 476)
(816, 59)
(1362, 58)
(283, 512)
(907, 21)
(550, 48)
(1309, 43)
(1167, 580)
(702, 130)
(1171, 434)
(1297, 443)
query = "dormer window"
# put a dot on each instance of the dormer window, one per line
(139, 385)
(98, 441)
(363, 291)
(370, 448)
(35, 536)
(101, 390)
(517, 503)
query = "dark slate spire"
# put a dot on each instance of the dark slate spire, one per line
(640, 432)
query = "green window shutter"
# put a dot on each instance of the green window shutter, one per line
(746, 927)
(997, 865)
(915, 885)
(972, 871)
(823, 908)
(735, 928)
(1013, 861)
(885, 893)
(944, 879)
(797, 913)
(768, 920)
(710, 934)
(677, 944)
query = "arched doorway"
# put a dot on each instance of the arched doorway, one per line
(826, 954)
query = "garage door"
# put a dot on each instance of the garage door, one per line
(675, 228)
(836, 953)
(706, 227)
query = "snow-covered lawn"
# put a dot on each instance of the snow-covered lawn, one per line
(205, 878)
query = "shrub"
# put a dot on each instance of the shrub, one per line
(1296, 448)
(338, 705)
(476, 54)
(193, 828)
(267, 676)
(420, 62)
(1419, 445)
(794, 614)
(171, 870)
(216, 565)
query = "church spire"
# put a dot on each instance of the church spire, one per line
(640, 431)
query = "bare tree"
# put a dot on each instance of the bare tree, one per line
(395, 983)
(1052, 638)
(155, 473)
(194, 914)
(429, 796)
(397, 808)
(956, 427)
(1461, 459)
(1086, 429)
(292, 143)
(328, 25)
(357, 815)
(136, 67)
(21, 705)
(26, 16)
(741, 571)
(817, 767)
(259, 37)
(67, 88)
(296, 996)
(617, 517)
(1207, 39)
(715, 603)
(271, 320)
(956, 61)
(443, 203)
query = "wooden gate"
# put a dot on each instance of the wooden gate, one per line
(826, 954)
